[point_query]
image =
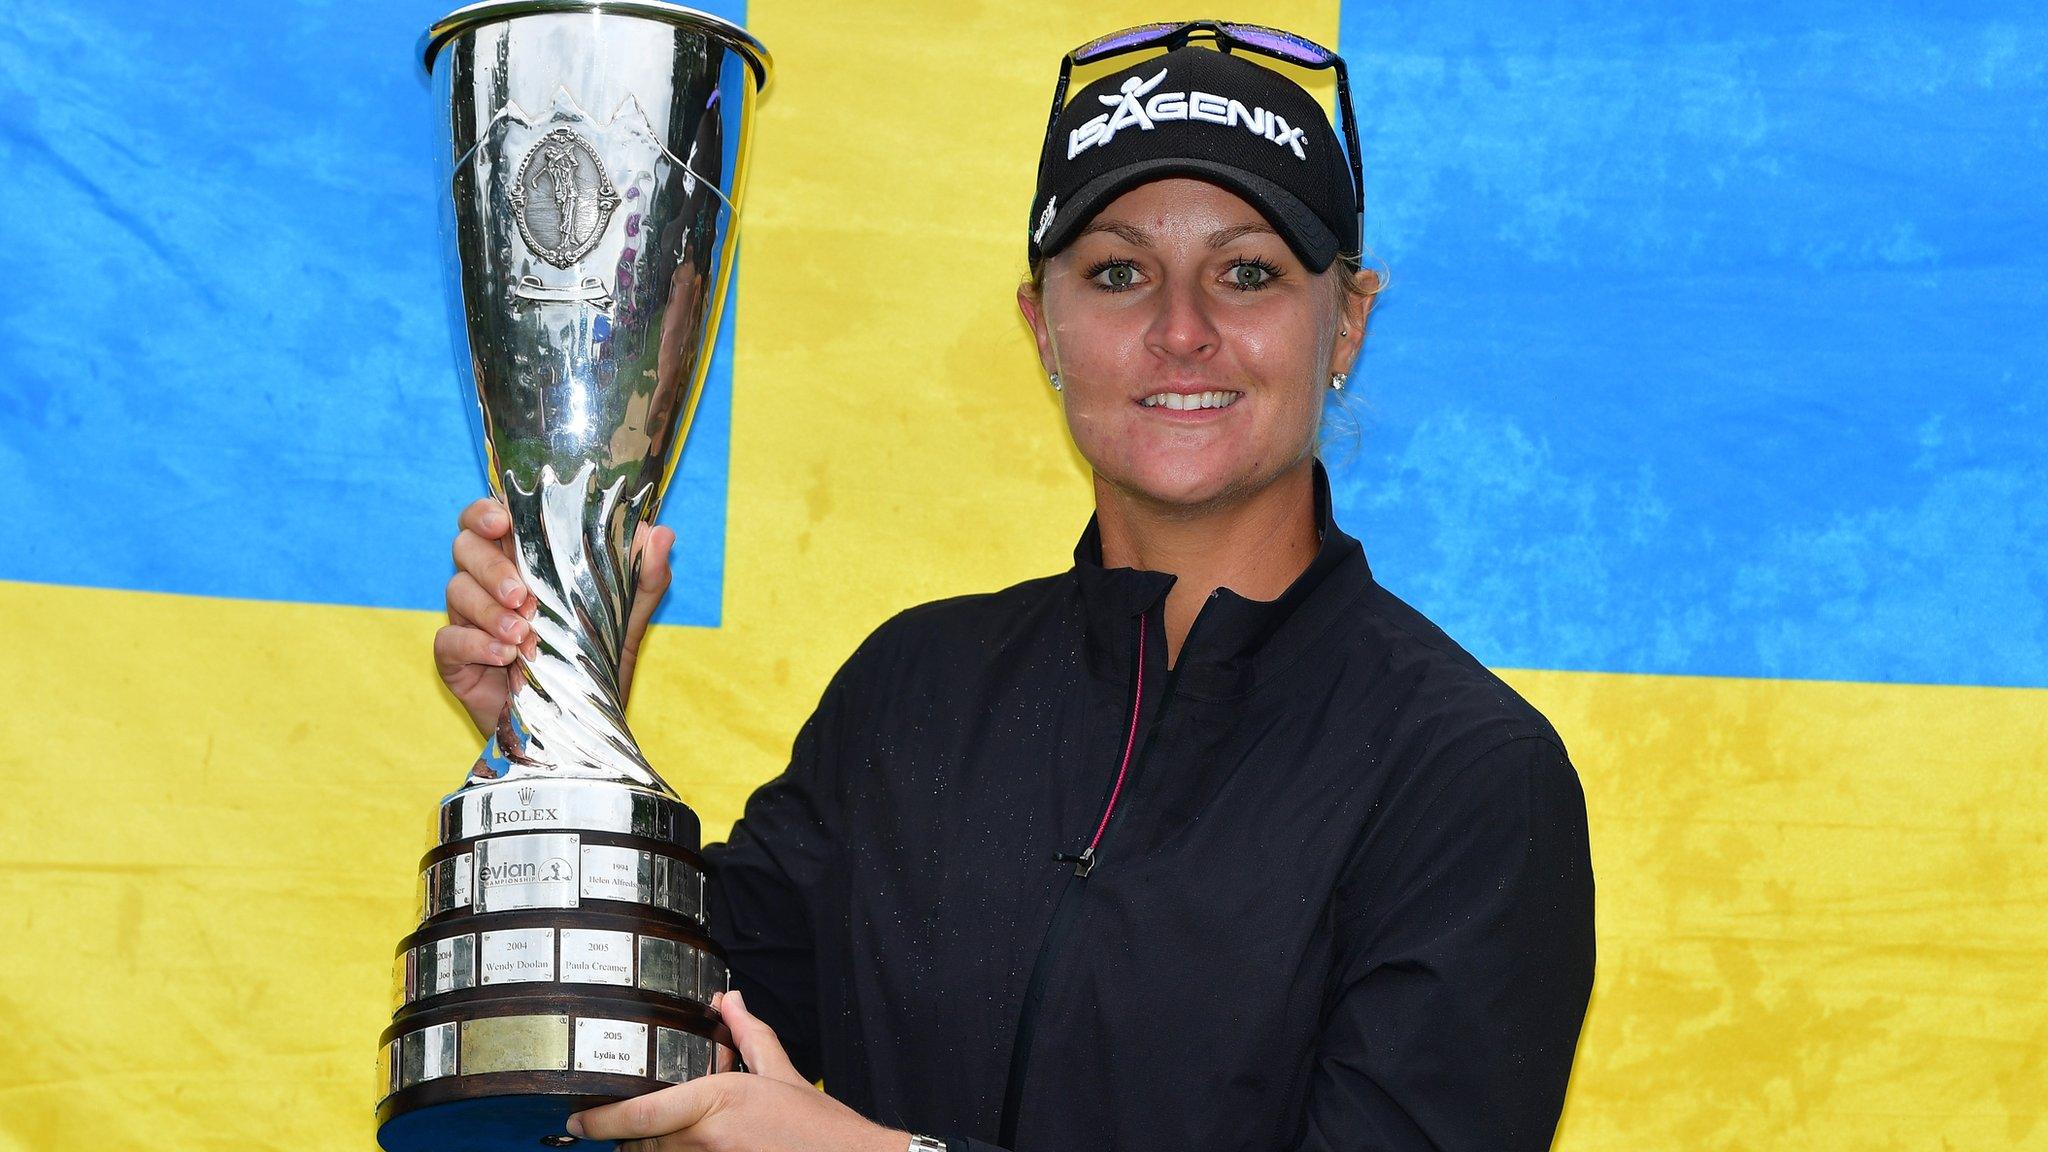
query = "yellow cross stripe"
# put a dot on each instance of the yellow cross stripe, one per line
(1822, 913)
(1823, 907)
(206, 859)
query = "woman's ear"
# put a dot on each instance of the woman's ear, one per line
(1356, 292)
(1032, 304)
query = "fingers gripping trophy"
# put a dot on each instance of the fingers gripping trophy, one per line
(593, 153)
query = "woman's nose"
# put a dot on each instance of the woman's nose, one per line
(1182, 326)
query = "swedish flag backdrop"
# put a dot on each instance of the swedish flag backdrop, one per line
(1707, 401)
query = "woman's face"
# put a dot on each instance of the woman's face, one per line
(1193, 347)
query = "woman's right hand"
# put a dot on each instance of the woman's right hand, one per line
(490, 614)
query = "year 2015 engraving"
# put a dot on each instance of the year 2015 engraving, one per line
(611, 1046)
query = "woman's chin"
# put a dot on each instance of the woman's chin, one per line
(1190, 485)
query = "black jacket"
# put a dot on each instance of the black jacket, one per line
(1343, 899)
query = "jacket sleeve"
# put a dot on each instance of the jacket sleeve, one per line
(763, 888)
(1465, 962)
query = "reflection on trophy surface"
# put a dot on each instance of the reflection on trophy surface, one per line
(594, 154)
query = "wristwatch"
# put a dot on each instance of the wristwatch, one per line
(927, 1144)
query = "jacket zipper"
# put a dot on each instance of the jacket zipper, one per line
(1085, 862)
(1069, 904)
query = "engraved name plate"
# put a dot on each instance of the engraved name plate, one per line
(447, 965)
(432, 900)
(590, 956)
(670, 1064)
(663, 898)
(537, 871)
(680, 1056)
(611, 1046)
(693, 975)
(660, 966)
(514, 955)
(515, 1044)
(686, 890)
(426, 1055)
(447, 885)
(612, 873)
(404, 981)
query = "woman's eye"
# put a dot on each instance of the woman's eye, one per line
(1250, 276)
(1115, 275)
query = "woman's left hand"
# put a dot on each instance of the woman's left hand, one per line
(770, 1109)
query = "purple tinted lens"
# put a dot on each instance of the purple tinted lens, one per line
(1120, 41)
(1285, 45)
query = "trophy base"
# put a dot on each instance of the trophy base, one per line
(560, 963)
(530, 1114)
(504, 1075)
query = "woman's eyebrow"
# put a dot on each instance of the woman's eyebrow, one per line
(1118, 228)
(1222, 236)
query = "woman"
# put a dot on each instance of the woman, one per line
(1208, 842)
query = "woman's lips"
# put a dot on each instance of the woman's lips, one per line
(1191, 401)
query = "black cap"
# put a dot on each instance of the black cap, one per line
(1207, 114)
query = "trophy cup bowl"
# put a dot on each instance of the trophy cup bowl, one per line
(593, 153)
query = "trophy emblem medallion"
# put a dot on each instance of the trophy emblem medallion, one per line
(562, 198)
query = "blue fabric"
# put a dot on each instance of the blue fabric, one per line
(1716, 337)
(1714, 343)
(226, 366)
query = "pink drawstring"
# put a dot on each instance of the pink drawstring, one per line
(1130, 742)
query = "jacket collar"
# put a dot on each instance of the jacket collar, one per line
(1235, 641)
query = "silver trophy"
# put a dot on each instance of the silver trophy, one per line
(593, 155)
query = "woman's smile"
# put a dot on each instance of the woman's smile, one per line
(1190, 403)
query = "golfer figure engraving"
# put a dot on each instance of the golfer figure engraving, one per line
(565, 170)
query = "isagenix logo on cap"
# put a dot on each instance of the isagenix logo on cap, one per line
(1138, 104)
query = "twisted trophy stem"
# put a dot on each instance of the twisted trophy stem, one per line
(565, 715)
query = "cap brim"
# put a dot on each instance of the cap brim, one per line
(1304, 231)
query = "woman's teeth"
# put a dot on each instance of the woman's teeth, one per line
(1182, 403)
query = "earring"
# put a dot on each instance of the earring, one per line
(1337, 381)
(1055, 381)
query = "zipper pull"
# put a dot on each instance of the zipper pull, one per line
(1083, 863)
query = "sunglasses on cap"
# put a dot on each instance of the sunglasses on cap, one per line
(1255, 38)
